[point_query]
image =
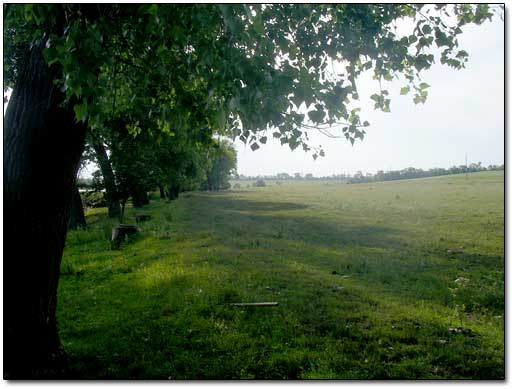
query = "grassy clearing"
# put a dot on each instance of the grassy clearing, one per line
(365, 276)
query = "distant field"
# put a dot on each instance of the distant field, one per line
(401, 279)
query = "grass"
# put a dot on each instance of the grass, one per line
(401, 280)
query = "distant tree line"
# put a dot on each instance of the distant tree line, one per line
(295, 176)
(392, 175)
(411, 172)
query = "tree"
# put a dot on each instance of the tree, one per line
(283, 176)
(221, 162)
(236, 69)
(180, 160)
(133, 163)
(108, 178)
(76, 216)
(37, 218)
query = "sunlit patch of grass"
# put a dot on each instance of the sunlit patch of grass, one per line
(366, 281)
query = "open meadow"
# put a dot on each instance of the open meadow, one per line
(401, 279)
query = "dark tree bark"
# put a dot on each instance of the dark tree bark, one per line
(76, 216)
(174, 190)
(42, 148)
(114, 210)
(209, 180)
(123, 206)
(162, 191)
(140, 197)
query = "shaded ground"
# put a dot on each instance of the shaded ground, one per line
(365, 276)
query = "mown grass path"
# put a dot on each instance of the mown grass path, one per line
(400, 279)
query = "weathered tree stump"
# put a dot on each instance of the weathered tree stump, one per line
(142, 218)
(120, 233)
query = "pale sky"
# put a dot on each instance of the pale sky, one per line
(464, 113)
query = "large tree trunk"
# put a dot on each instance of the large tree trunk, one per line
(76, 216)
(42, 149)
(162, 191)
(209, 180)
(114, 210)
(139, 197)
(174, 190)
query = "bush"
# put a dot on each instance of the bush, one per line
(236, 186)
(260, 183)
(93, 199)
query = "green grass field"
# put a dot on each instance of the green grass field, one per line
(400, 279)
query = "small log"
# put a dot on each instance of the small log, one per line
(264, 304)
(121, 232)
(142, 218)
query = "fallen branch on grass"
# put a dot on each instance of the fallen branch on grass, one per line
(265, 304)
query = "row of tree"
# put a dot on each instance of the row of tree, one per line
(411, 172)
(130, 167)
(126, 78)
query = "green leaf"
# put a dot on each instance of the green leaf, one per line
(258, 25)
(50, 55)
(424, 85)
(153, 9)
(219, 119)
(263, 139)
(405, 90)
(316, 115)
(254, 146)
(293, 144)
(80, 111)
(426, 29)
(462, 54)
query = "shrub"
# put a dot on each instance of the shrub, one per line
(260, 183)
(93, 199)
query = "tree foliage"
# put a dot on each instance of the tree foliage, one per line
(240, 70)
(220, 165)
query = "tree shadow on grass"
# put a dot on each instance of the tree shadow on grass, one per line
(385, 260)
(229, 217)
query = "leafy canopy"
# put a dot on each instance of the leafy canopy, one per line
(238, 70)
